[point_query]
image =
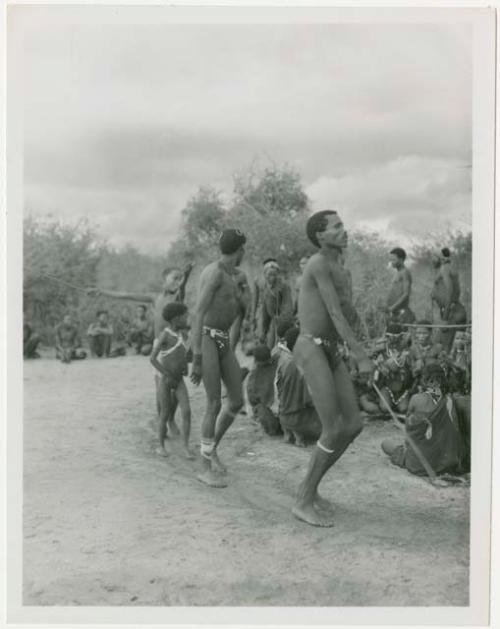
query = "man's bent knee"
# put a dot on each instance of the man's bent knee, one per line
(235, 406)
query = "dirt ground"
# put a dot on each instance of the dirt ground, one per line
(107, 522)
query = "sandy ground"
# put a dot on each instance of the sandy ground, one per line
(107, 522)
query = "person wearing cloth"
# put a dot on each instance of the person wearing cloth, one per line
(68, 342)
(218, 305)
(260, 390)
(169, 358)
(298, 417)
(100, 335)
(276, 303)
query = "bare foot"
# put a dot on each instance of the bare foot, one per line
(173, 429)
(187, 453)
(161, 452)
(312, 516)
(323, 504)
(217, 464)
(212, 480)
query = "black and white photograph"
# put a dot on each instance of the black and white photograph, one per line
(254, 258)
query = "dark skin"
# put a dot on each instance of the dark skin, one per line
(399, 293)
(323, 292)
(172, 388)
(218, 306)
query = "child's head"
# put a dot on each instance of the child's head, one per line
(423, 333)
(262, 355)
(172, 278)
(434, 377)
(283, 326)
(394, 335)
(291, 336)
(175, 314)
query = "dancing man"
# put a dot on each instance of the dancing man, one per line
(325, 314)
(218, 305)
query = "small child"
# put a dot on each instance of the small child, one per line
(170, 358)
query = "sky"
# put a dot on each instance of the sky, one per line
(123, 123)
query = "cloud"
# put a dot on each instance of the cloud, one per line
(124, 122)
(411, 194)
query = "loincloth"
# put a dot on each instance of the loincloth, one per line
(330, 349)
(220, 338)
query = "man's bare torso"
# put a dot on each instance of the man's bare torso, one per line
(313, 314)
(225, 305)
(397, 288)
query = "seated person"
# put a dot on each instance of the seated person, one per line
(260, 390)
(68, 343)
(298, 418)
(282, 327)
(393, 364)
(30, 342)
(439, 425)
(100, 334)
(140, 335)
(423, 350)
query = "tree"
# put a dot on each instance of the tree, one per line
(203, 217)
(58, 259)
(271, 191)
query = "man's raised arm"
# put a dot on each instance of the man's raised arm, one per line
(209, 283)
(114, 294)
(448, 286)
(332, 303)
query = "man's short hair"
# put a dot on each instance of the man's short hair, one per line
(231, 240)
(175, 309)
(100, 312)
(445, 252)
(166, 271)
(435, 372)
(400, 253)
(318, 222)
(269, 260)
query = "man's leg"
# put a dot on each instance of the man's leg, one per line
(335, 401)
(212, 383)
(231, 376)
(182, 397)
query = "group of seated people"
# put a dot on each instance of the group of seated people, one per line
(424, 387)
(100, 334)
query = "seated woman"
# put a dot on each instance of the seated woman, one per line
(439, 425)
(298, 418)
(260, 390)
